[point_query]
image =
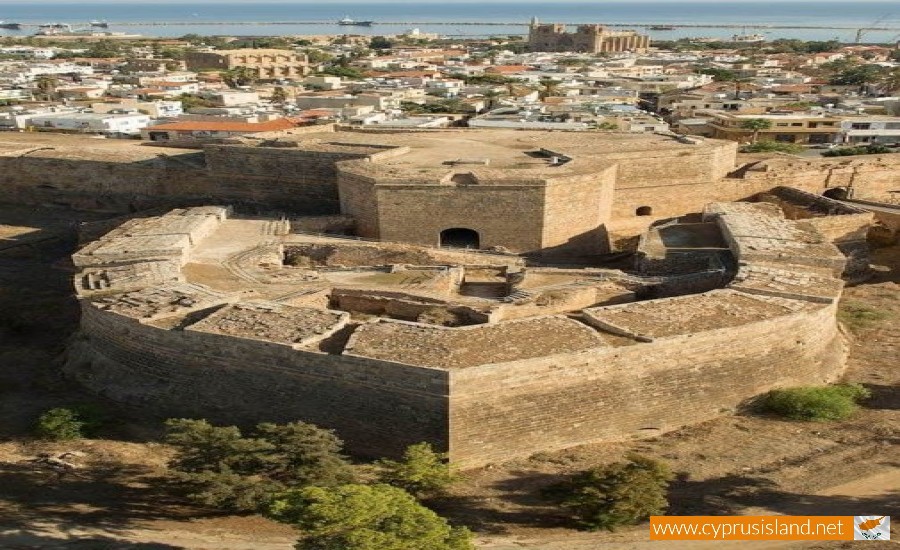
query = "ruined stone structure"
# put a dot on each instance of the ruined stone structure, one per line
(528, 192)
(586, 39)
(201, 313)
(480, 349)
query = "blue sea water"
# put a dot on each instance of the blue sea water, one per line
(178, 19)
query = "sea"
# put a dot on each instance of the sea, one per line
(808, 20)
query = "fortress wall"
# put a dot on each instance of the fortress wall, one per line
(87, 184)
(574, 210)
(358, 200)
(871, 176)
(504, 215)
(378, 408)
(674, 200)
(668, 166)
(634, 391)
(121, 187)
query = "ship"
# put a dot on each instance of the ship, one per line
(661, 28)
(347, 22)
(10, 26)
(100, 24)
(748, 38)
(50, 29)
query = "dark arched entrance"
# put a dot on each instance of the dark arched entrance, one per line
(460, 237)
(838, 193)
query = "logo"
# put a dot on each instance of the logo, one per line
(871, 527)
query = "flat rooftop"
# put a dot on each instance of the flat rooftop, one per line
(449, 348)
(493, 148)
(272, 322)
(685, 315)
(79, 147)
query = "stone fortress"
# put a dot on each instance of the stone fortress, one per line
(477, 316)
(592, 39)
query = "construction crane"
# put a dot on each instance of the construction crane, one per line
(860, 33)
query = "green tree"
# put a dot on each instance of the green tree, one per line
(189, 101)
(548, 87)
(622, 493)
(59, 424)
(365, 517)
(757, 125)
(46, 85)
(239, 76)
(279, 95)
(317, 56)
(221, 467)
(380, 43)
(421, 472)
(719, 75)
(862, 75)
(105, 48)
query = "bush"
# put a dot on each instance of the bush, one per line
(221, 467)
(858, 316)
(873, 149)
(365, 517)
(768, 146)
(59, 425)
(815, 403)
(422, 472)
(622, 493)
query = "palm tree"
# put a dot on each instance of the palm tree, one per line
(757, 125)
(739, 86)
(46, 85)
(279, 95)
(240, 76)
(548, 87)
(890, 82)
(491, 97)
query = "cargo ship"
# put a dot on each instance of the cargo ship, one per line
(347, 22)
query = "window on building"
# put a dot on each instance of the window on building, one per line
(643, 211)
(860, 126)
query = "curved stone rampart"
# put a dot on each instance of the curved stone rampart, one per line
(227, 349)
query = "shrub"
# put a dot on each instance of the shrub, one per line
(422, 472)
(622, 493)
(872, 149)
(365, 517)
(221, 467)
(59, 425)
(815, 403)
(858, 316)
(768, 146)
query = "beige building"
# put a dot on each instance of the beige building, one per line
(270, 64)
(787, 128)
(586, 39)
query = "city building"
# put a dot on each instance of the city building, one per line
(270, 64)
(587, 39)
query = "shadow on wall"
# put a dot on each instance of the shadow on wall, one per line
(589, 243)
